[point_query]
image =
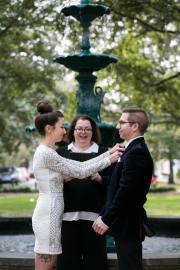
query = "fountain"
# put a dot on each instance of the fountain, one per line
(89, 99)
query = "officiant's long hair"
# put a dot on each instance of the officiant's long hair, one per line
(96, 135)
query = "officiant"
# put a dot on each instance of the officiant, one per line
(83, 202)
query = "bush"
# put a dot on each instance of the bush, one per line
(18, 188)
(154, 188)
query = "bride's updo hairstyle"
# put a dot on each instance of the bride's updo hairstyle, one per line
(46, 116)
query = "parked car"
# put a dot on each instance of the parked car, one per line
(31, 171)
(9, 174)
(24, 175)
(153, 180)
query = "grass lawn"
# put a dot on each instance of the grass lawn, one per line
(17, 205)
(20, 204)
(166, 205)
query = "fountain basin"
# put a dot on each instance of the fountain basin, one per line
(85, 62)
(87, 12)
(16, 235)
(109, 134)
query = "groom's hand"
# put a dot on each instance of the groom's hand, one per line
(99, 227)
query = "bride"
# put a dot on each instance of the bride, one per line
(50, 170)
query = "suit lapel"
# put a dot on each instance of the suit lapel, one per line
(134, 142)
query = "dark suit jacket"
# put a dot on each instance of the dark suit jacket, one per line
(126, 195)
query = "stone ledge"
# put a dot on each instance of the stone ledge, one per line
(161, 259)
(15, 218)
(17, 259)
(165, 260)
(175, 219)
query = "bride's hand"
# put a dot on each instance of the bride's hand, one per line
(115, 156)
(117, 147)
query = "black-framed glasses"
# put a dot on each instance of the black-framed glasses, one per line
(122, 123)
(86, 130)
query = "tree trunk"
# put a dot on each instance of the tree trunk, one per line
(27, 163)
(171, 176)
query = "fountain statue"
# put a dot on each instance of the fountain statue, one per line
(89, 100)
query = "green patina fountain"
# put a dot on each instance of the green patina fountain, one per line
(89, 99)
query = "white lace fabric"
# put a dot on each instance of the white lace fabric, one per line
(49, 171)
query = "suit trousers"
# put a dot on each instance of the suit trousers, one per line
(82, 248)
(129, 254)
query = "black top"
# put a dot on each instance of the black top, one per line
(130, 181)
(85, 194)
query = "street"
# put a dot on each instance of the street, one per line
(32, 183)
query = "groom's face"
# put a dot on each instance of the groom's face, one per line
(125, 130)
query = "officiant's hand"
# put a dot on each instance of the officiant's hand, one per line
(118, 147)
(68, 178)
(96, 177)
(99, 227)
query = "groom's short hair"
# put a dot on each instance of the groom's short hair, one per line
(138, 116)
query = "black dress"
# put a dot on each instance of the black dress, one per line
(78, 238)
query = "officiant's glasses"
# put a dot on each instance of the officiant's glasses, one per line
(122, 123)
(79, 130)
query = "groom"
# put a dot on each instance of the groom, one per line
(123, 215)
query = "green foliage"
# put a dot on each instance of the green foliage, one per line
(167, 188)
(17, 188)
(144, 36)
(164, 144)
(28, 39)
(178, 174)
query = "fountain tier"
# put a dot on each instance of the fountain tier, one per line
(85, 62)
(85, 12)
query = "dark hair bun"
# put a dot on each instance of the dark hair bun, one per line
(44, 107)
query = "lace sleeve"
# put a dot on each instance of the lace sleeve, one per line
(73, 168)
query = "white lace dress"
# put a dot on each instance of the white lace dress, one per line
(50, 170)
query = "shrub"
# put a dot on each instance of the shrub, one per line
(18, 188)
(154, 188)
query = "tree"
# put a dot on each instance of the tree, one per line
(164, 143)
(28, 38)
(143, 35)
